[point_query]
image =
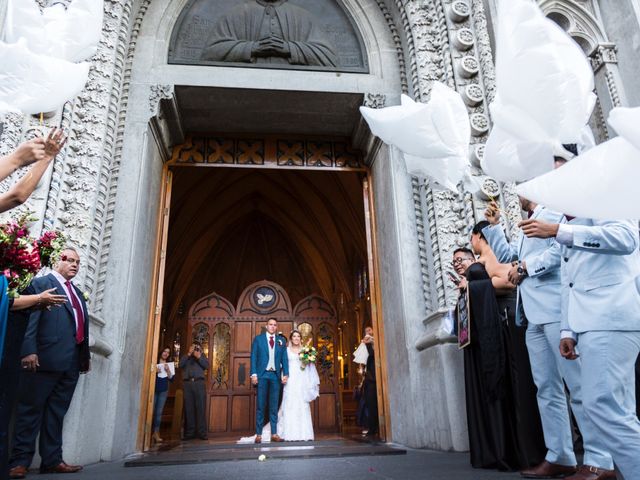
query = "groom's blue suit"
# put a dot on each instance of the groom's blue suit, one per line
(268, 380)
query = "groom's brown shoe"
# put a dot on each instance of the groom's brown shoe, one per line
(276, 438)
(549, 470)
(258, 439)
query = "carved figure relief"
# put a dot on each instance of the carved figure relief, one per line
(269, 31)
(292, 34)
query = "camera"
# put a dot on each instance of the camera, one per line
(196, 349)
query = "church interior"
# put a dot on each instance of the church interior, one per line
(300, 234)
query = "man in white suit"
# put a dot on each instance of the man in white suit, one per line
(536, 271)
(601, 317)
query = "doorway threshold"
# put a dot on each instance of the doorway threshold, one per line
(185, 453)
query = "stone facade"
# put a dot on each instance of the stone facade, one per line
(104, 190)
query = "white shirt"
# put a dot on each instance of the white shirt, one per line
(272, 351)
(69, 292)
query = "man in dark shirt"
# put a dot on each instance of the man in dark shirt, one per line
(193, 366)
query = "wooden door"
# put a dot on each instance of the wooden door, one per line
(227, 333)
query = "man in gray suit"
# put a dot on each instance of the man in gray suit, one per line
(536, 271)
(601, 317)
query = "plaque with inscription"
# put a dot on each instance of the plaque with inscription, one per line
(289, 34)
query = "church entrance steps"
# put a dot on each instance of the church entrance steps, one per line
(185, 453)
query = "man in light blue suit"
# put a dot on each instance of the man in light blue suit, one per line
(269, 367)
(536, 271)
(601, 317)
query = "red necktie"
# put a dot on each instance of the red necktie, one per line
(79, 313)
(271, 342)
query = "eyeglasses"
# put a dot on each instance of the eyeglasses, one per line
(459, 261)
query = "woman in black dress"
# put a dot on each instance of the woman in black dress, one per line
(502, 435)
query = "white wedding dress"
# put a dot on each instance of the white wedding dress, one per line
(294, 417)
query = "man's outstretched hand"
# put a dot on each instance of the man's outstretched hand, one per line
(538, 228)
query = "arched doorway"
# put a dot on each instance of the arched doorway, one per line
(226, 333)
(305, 227)
(311, 127)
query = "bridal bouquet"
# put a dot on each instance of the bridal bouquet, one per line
(307, 355)
(21, 256)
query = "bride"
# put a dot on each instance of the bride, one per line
(303, 387)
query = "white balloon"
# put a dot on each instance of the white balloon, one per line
(34, 83)
(71, 34)
(626, 121)
(545, 92)
(433, 137)
(600, 184)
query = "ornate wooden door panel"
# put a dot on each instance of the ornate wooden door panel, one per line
(226, 334)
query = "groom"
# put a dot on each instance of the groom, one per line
(269, 367)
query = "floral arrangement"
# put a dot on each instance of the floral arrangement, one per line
(50, 245)
(22, 257)
(19, 256)
(307, 355)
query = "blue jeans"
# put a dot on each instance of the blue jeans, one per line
(159, 399)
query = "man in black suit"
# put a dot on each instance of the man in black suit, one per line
(55, 351)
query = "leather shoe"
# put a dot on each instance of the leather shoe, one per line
(19, 471)
(62, 467)
(548, 470)
(588, 472)
(258, 439)
(276, 438)
(203, 437)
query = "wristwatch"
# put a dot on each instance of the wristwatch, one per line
(521, 270)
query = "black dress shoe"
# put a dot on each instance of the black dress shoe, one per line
(203, 437)
(188, 437)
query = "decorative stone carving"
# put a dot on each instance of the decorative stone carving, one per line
(375, 100)
(120, 103)
(603, 54)
(473, 95)
(476, 152)
(463, 39)
(468, 67)
(398, 43)
(479, 124)
(490, 188)
(158, 92)
(459, 11)
(298, 34)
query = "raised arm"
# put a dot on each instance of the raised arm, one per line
(20, 191)
(497, 240)
(26, 153)
(203, 361)
(605, 236)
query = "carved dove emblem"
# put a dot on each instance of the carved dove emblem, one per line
(264, 298)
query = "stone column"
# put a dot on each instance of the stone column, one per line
(609, 86)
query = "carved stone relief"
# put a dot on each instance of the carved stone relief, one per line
(314, 34)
